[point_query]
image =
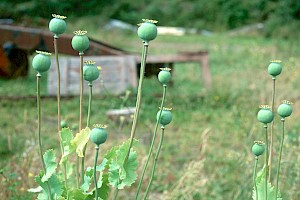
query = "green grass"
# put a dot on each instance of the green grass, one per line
(212, 131)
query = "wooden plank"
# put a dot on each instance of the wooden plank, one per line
(173, 58)
(200, 57)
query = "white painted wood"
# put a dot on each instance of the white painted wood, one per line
(117, 74)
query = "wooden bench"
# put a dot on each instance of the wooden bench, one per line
(200, 57)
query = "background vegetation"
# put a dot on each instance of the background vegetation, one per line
(280, 17)
(206, 154)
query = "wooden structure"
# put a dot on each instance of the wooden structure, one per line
(117, 74)
(31, 39)
(199, 57)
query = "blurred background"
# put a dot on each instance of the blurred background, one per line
(278, 18)
(206, 153)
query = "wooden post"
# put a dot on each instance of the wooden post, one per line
(205, 70)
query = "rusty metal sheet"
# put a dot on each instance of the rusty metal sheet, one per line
(32, 39)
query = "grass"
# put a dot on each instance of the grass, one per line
(212, 131)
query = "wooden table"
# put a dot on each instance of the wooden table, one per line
(200, 57)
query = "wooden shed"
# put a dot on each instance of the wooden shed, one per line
(112, 59)
(117, 74)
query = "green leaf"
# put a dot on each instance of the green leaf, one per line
(38, 180)
(261, 191)
(66, 136)
(87, 179)
(43, 196)
(56, 187)
(101, 167)
(89, 174)
(102, 191)
(261, 174)
(130, 169)
(50, 163)
(100, 180)
(61, 198)
(121, 175)
(260, 183)
(77, 194)
(110, 155)
(114, 174)
(80, 140)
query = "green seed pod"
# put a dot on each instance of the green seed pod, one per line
(98, 135)
(90, 71)
(57, 25)
(258, 148)
(285, 109)
(265, 115)
(80, 42)
(147, 30)
(164, 76)
(63, 124)
(166, 116)
(42, 61)
(275, 68)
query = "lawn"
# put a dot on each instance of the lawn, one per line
(206, 153)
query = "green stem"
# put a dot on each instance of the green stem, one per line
(58, 104)
(266, 161)
(87, 124)
(138, 100)
(254, 177)
(95, 175)
(38, 84)
(66, 178)
(116, 193)
(81, 91)
(38, 78)
(272, 129)
(152, 142)
(279, 159)
(90, 104)
(80, 112)
(58, 86)
(137, 105)
(155, 161)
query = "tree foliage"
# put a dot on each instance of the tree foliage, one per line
(280, 17)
